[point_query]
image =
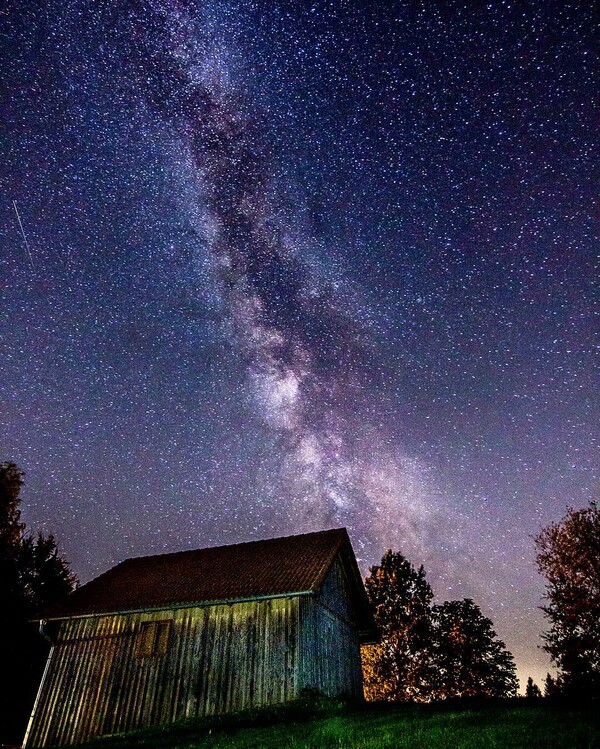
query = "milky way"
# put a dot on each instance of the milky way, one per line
(296, 266)
(310, 368)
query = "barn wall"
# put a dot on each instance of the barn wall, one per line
(218, 659)
(329, 645)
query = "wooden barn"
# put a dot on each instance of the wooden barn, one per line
(162, 638)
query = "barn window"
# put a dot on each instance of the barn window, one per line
(153, 639)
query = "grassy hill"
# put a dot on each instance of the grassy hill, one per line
(513, 724)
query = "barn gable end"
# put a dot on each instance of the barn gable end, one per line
(330, 638)
(116, 671)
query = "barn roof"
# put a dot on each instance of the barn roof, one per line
(258, 569)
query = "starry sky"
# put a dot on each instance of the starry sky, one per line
(270, 267)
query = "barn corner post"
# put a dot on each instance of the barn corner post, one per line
(38, 696)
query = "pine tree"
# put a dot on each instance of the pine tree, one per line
(11, 535)
(552, 686)
(532, 691)
(11, 528)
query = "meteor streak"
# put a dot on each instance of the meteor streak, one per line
(23, 233)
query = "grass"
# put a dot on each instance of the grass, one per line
(325, 725)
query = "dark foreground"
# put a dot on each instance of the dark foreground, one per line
(513, 724)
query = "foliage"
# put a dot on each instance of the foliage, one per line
(470, 660)
(400, 667)
(429, 652)
(569, 558)
(532, 691)
(33, 576)
(11, 529)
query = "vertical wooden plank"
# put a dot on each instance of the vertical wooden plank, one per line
(59, 671)
(66, 706)
(201, 685)
(187, 648)
(195, 662)
(168, 670)
(93, 689)
(123, 697)
(179, 626)
(73, 704)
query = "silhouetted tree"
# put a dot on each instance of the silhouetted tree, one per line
(429, 652)
(11, 528)
(32, 576)
(470, 659)
(532, 691)
(552, 686)
(11, 535)
(400, 667)
(569, 558)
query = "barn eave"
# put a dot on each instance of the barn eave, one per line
(170, 606)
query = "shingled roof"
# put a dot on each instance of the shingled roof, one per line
(258, 569)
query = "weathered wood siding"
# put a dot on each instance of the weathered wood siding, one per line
(218, 659)
(108, 674)
(329, 646)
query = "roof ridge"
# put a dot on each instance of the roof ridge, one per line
(229, 546)
(322, 574)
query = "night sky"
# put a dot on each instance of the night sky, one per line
(284, 266)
